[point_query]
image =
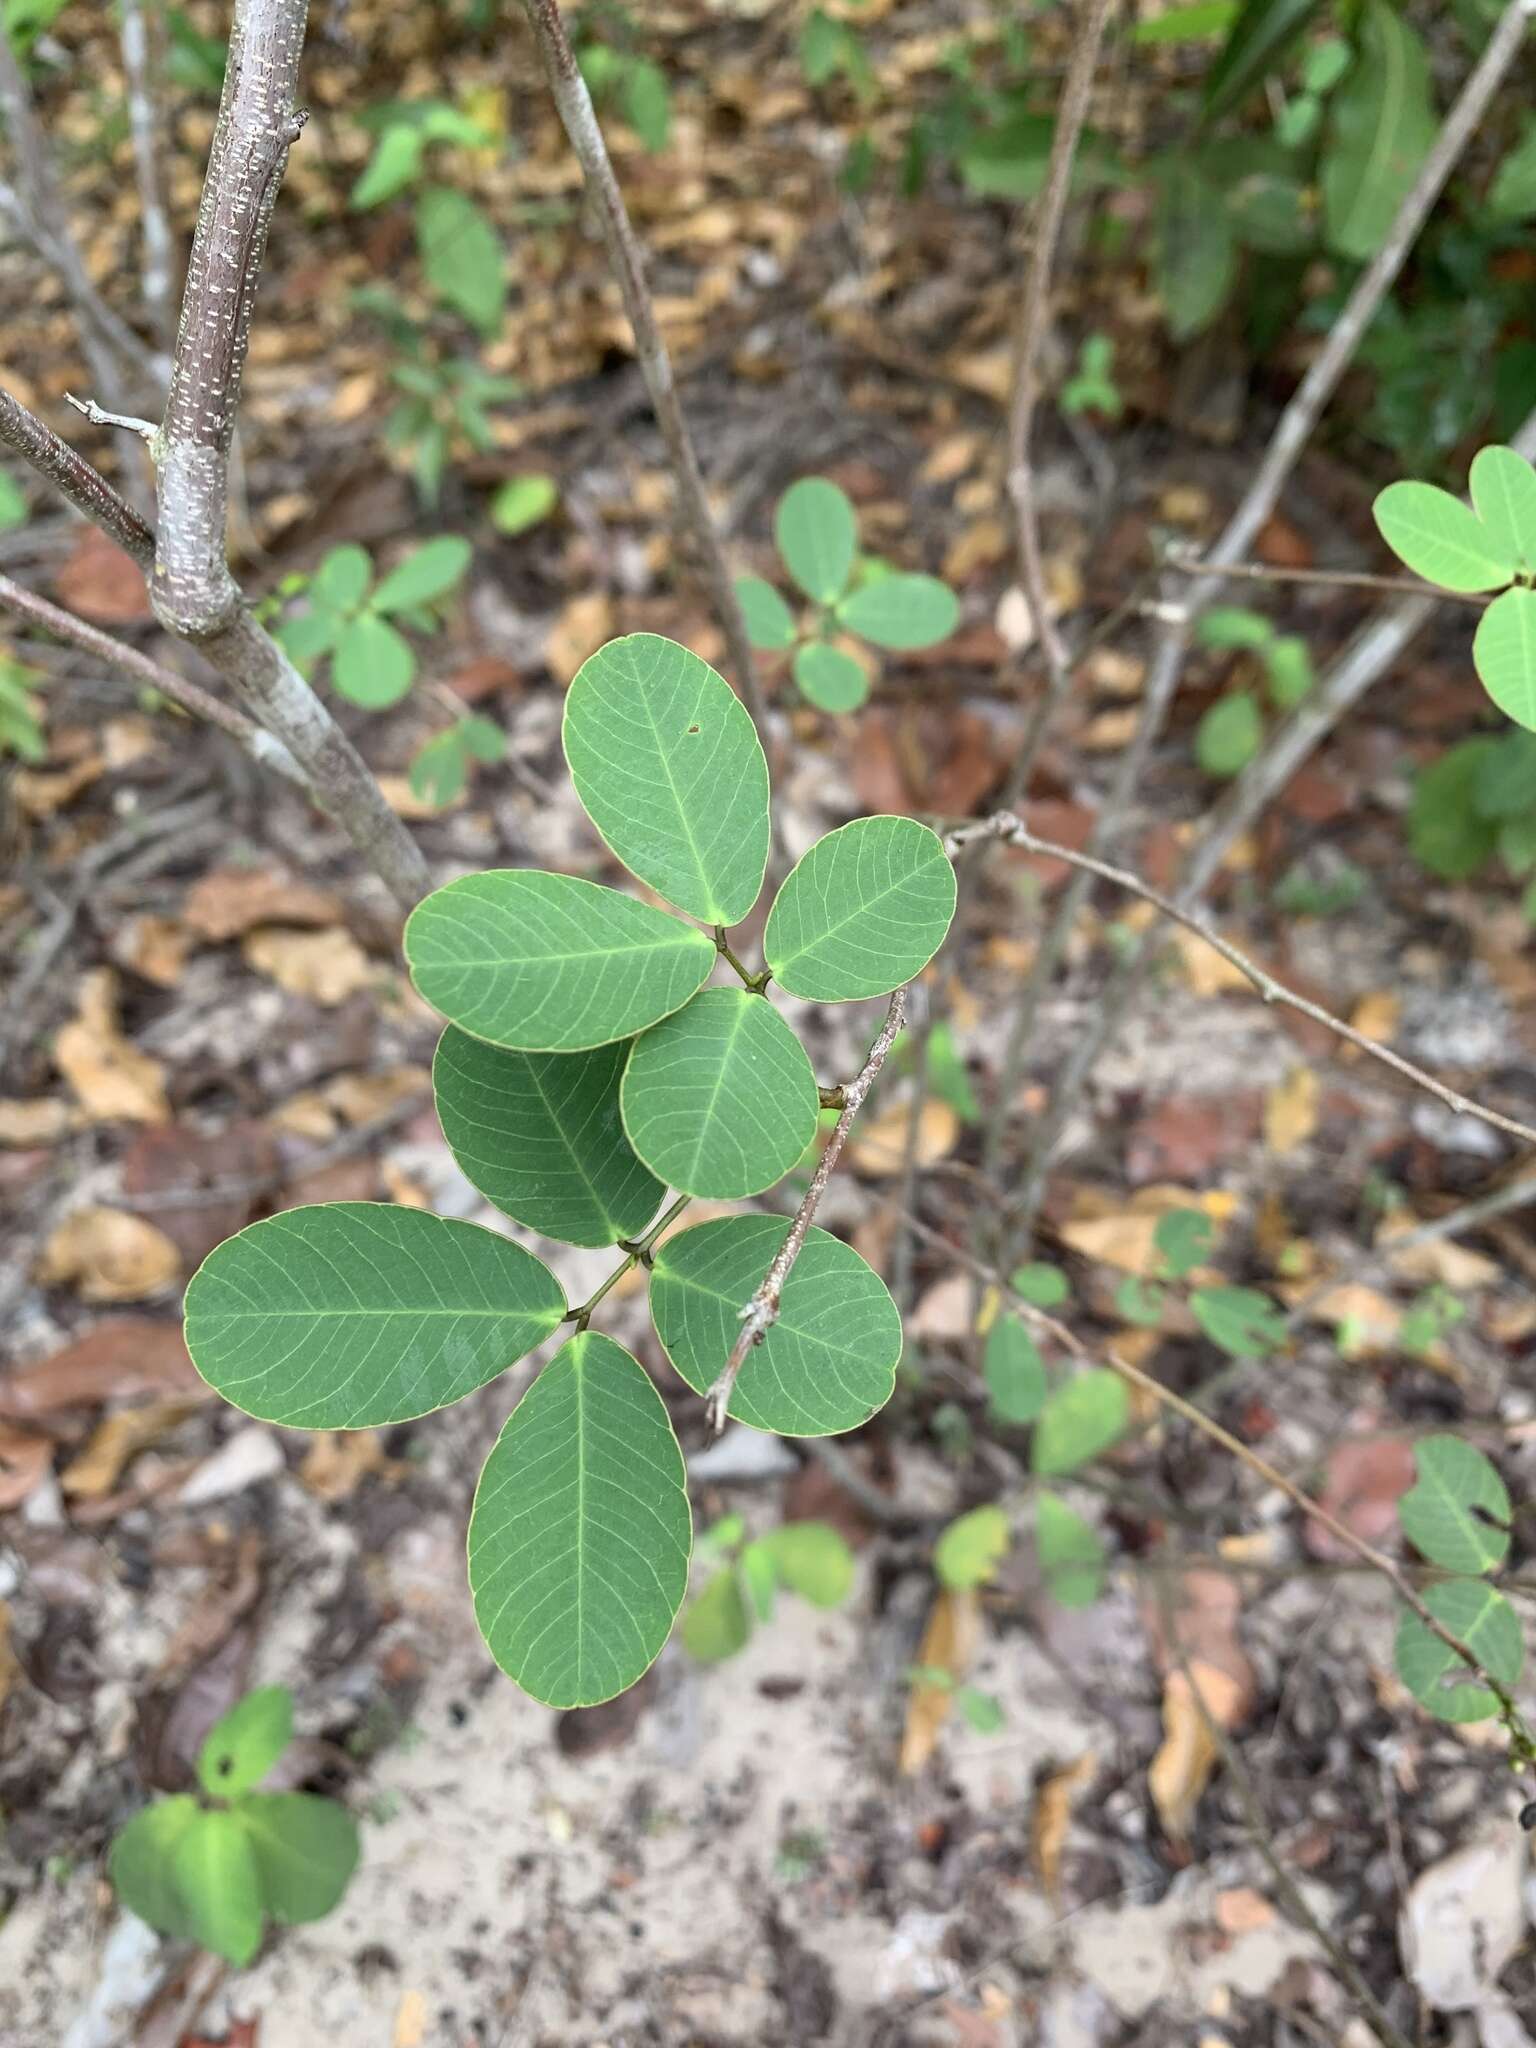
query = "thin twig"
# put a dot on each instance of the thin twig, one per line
(75, 479)
(143, 44)
(1012, 831)
(257, 742)
(1034, 322)
(762, 1311)
(1326, 579)
(574, 104)
(99, 417)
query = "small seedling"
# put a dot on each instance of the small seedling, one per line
(446, 404)
(1457, 1516)
(1232, 730)
(1092, 387)
(215, 1866)
(524, 501)
(21, 725)
(808, 1558)
(348, 617)
(618, 76)
(817, 531)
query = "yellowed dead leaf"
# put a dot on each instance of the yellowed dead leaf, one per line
(10, 1663)
(1370, 1317)
(1124, 1236)
(1111, 731)
(944, 1309)
(338, 1460)
(1290, 1111)
(1451, 1265)
(118, 1438)
(1375, 1017)
(949, 1643)
(1207, 971)
(362, 1097)
(1181, 1770)
(155, 947)
(405, 803)
(110, 1077)
(404, 1192)
(878, 1147)
(42, 1121)
(42, 791)
(951, 458)
(1117, 675)
(1242, 1910)
(305, 1115)
(983, 543)
(325, 966)
(353, 396)
(579, 631)
(1052, 1816)
(109, 1255)
(410, 2020)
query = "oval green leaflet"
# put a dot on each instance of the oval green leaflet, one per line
(901, 612)
(580, 1533)
(828, 1362)
(550, 963)
(669, 768)
(1441, 539)
(1457, 1512)
(862, 912)
(828, 678)
(719, 1099)
(350, 1315)
(818, 535)
(1438, 1679)
(540, 1135)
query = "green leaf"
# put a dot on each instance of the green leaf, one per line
(1071, 1552)
(580, 1532)
(341, 582)
(862, 912)
(1193, 23)
(396, 162)
(1446, 831)
(647, 103)
(1441, 539)
(828, 1362)
(427, 573)
(462, 257)
(373, 665)
(1512, 195)
(828, 678)
(718, 1623)
(1229, 734)
(1196, 253)
(549, 963)
(760, 1579)
(1490, 1628)
(483, 737)
(720, 1099)
(1239, 1320)
(539, 1134)
(1382, 124)
(1014, 1371)
(440, 770)
(1503, 486)
(1290, 670)
(13, 503)
(1080, 1419)
(1233, 625)
(1139, 1301)
(1504, 655)
(818, 535)
(305, 1849)
(524, 501)
(1273, 214)
(971, 1548)
(812, 1560)
(769, 620)
(982, 1711)
(214, 1874)
(142, 1863)
(1457, 1513)
(1183, 1238)
(669, 768)
(901, 611)
(313, 633)
(350, 1315)
(1041, 1285)
(245, 1743)
(1259, 38)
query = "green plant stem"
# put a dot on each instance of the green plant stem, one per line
(1189, 564)
(755, 982)
(638, 1252)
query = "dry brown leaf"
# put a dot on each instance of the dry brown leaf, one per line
(24, 1459)
(1208, 972)
(305, 1115)
(122, 1356)
(102, 583)
(154, 947)
(109, 1075)
(228, 902)
(949, 1643)
(326, 966)
(1125, 1236)
(362, 1097)
(878, 1147)
(1194, 1619)
(579, 631)
(1181, 1770)
(10, 1664)
(1366, 1478)
(338, 1460)
(410, 2021)
(1375, 1017)
(1243, 1910)
(1372, 1318)
(42, 1121)
(944, 1309)
(405, 803)
(1440, 1261)
(42, 791)
(117, 1439)
(1290, 1111)
(109, 1255)
(1052, 1816)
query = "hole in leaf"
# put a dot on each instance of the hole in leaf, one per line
(693, 728)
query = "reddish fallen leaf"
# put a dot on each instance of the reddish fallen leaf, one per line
(1194, 1620)
(100, 582)
(228, 902)
(1366, 1479)
(486, 676)
(168, 1156)
(120, 1358)
(1187, 1137)
(23, 1461)
(1282, 545)
(242, 2034)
